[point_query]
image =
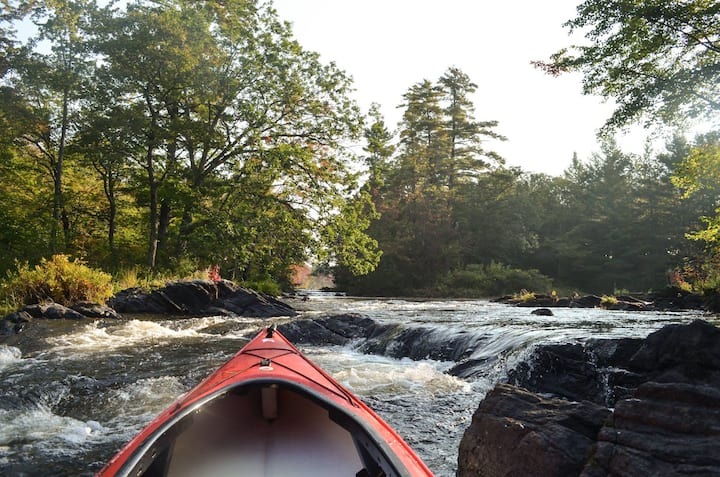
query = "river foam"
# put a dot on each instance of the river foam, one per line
(9, 355)
(40, 425)
(371, 374)
(96, 337)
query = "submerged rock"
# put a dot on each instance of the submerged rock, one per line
(542, 312)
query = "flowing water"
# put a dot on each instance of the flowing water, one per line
(71, 399)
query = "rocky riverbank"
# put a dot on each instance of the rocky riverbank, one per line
(608, 407)
(181, 298)
(668, 299)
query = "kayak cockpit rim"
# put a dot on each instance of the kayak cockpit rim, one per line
(373, 450)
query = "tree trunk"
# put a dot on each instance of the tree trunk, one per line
(112, 202)
(58, 211)
(153, 218)
(163, 226)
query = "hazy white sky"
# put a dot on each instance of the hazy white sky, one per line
(388, 45)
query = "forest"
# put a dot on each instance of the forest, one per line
(172, 136)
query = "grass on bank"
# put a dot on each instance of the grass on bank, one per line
(57, 279)
(66, 281)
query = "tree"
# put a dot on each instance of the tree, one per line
(229, 113)
(50, 83)
(657, 59)
(422, 136)
(426, 193)
(697, 173)
(466, 157)
(379, 149)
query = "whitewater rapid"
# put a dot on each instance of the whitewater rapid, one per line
(71, 401)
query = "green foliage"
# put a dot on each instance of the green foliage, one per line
(654, 58)
(267, 286)
(608, 300)
(178, 134)
(420, 192)
(185, 134)
(490, 280)
(58, 279)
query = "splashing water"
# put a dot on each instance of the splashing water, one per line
(68, 406)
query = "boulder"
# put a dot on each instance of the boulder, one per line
(95, 310)
(587, 301)
(538, 301)
(518, 433)
(335, 330)
(542, 312)
(564, 370)
(665, 391)
(14, 323)
(137, 300)
(52, 311)
(198, 297)
(679, 353)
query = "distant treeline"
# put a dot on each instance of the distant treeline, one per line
(451, 214)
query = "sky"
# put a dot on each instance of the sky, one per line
(389, 45)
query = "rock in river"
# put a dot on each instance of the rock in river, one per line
(515, 432)
(665, 418)
(198, 297)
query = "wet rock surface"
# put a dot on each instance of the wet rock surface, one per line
(333, 330)
(195, 298)
(198, 297)
(516, 432)
(661, 396)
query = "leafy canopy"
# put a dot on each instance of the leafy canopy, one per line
(658, 59)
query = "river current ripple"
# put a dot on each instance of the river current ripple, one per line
(69, 404)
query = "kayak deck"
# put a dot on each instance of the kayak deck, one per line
(263, 429)
(232, 437)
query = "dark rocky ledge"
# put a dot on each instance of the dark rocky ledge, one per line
(669, 299)
(195, 297)
(200, 297)
(661, 396)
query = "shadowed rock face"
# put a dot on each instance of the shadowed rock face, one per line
(516, 432)
(335, 330)
(666, 429)
(666, 418)
(198, 297)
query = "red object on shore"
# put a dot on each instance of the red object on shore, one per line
(268, 411)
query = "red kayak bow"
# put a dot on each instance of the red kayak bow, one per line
(268, 411)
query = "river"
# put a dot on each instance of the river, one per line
(71, 399)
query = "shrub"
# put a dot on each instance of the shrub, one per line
(267, 286)
(491, 280)
(524, 295)
(608, 300)
(58, 279)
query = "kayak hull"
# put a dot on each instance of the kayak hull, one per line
(269, 411)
